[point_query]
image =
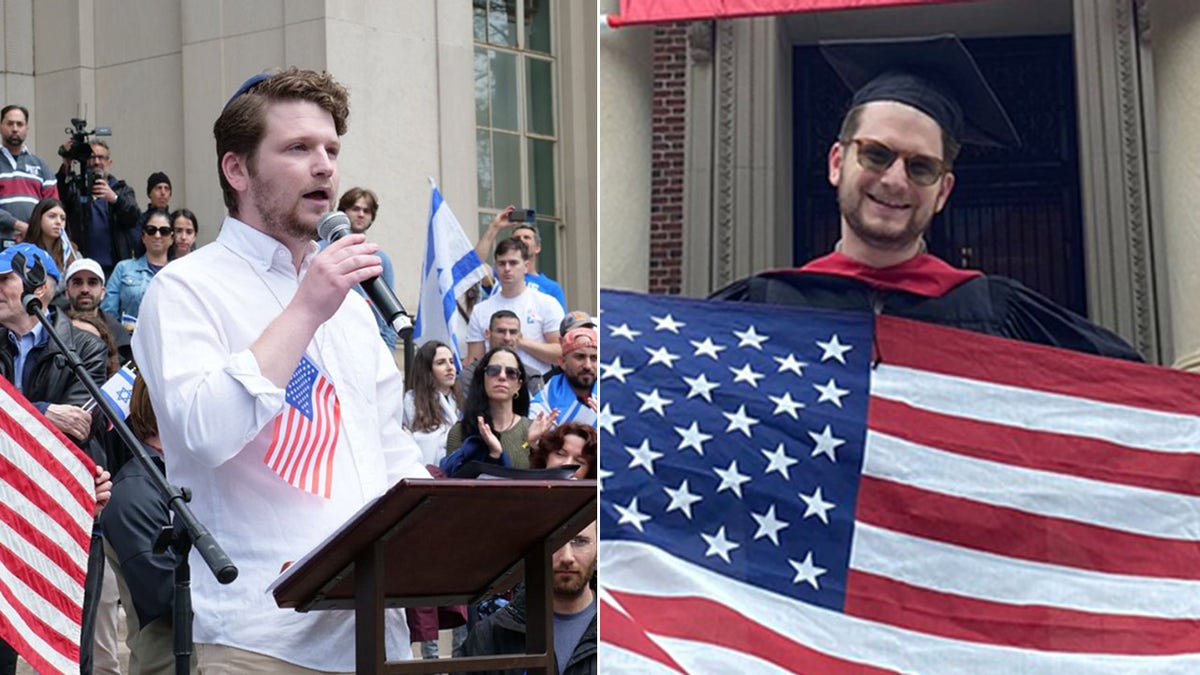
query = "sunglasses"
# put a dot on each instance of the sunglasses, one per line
(163, 231)
(494, 371)
(878, 157)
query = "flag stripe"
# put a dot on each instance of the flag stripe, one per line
(1038, 410)
(998, 578)
(1056, 541)
(990, 359)
(305, 435)
(336, 423)
(638, 568)
(1085, 457)
(35, 544)
(1130, 509)
(733, 630)
(1028, 627)
(38, 470)
(43, 657)
(51, 620)
(619, 629)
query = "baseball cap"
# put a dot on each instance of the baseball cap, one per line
(85, 264)
(576, 319)
(31, 252)
(579, 337)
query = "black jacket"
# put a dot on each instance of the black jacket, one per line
(51, 380)
(122, 215)
(504, 633)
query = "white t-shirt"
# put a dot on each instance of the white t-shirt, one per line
(539, 314)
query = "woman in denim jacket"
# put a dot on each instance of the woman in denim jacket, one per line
(125, 288)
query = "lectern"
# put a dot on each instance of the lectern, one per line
(444, 542)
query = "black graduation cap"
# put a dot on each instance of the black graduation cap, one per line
(935, 75)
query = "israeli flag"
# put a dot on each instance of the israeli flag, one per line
(451, 267)
(119, 389)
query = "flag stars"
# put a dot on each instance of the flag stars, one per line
(608, 419)
(614, 370)
(740, 421)
(784, 405)
(779, 461)
(708, 348)
(806, 571)
(681, 499)
(768, 525)
(624, 331)
(643, 456)
(834, 349)
(731, 479)
(667, 323)
(817, 506)
(718, 545)
(700, 386)
(630, 515)
(653, 401)
(693, 438)
(826, 443)
(747, 374)
(750, 338)
(830, 392)
(661, 355)
(790, 363)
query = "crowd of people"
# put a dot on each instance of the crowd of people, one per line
(263, 314)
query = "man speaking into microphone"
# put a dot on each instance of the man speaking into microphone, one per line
(283, 413)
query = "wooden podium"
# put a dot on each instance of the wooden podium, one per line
(445, 542)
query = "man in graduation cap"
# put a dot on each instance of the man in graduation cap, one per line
(917, 100)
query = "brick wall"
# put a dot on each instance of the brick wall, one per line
(667, 162)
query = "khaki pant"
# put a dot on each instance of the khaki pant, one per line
(223, 660)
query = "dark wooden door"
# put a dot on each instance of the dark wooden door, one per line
(1014, 212)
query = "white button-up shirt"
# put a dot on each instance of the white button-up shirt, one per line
(216, 418)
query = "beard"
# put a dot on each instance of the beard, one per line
(277, 216)
(573, 586)
(84, 304)
(888, 236)
(581, 380)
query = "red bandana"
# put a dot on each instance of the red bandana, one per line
(923, 275)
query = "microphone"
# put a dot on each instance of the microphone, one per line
(334, 226)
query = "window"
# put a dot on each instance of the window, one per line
(516, 116)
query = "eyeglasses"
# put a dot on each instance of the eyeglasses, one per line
(163, 231)
(494, 371)
(876, 156)
(99, 158)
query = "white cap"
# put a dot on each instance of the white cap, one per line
(85, 264)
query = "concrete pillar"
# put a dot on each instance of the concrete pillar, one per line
(625, 136)
(1175, 41)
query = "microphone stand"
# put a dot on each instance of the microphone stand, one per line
(187, 530)
(404, 329)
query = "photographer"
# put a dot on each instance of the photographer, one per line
(100, 218)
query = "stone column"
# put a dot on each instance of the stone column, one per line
(625, 137)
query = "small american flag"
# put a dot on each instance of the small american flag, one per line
(306, 432)
(47, 494)
(803, 491)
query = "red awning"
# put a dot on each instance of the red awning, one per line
(665, 11)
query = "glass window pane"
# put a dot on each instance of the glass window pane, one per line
(504, 90)
(540, 99)
(506, 161)
(483, 171)
(537, 25)
(547, 262)
(479, 19)
(502, 22)
(541, 177)
(483, 89)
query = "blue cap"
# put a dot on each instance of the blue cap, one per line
(247, 86)
(31, 252)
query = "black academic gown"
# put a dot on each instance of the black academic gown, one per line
(985, 304)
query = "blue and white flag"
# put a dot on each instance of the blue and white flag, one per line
(451, 267)
(119, 389)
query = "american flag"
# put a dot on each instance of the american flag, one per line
(790, 490)
(47, 495)
(306, 432)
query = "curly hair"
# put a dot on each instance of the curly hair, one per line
(419, 379)
(552, 441)
(243, 122)
(478, 404)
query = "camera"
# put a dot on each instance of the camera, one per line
(81, 177)
(522, 216)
